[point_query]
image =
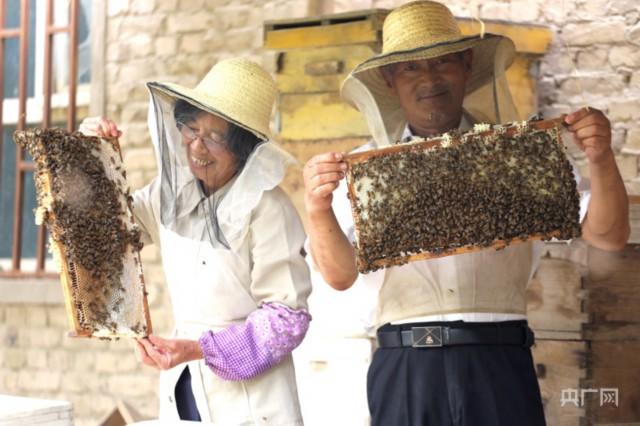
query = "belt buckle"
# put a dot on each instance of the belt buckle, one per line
(426, 337)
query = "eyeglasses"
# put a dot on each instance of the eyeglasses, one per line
(190, 135)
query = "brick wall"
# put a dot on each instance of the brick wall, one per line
(173, 40)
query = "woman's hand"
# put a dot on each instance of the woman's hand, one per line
(322, 175)
(164, 354)
(99, 126)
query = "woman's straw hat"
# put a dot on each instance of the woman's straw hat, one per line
(426, 29)
(238, 90)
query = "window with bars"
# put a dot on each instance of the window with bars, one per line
(45, 71)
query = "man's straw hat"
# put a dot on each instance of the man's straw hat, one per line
(237, 90)
(423, 30)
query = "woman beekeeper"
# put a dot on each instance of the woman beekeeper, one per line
(231, 244)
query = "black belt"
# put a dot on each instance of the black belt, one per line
(427, 336)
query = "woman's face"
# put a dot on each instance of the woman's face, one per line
(207, 151)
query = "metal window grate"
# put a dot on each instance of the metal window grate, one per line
(22, 165)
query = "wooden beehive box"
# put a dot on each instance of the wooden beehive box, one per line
(582, 304)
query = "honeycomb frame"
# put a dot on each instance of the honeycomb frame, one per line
(83, 199)
(460, 165)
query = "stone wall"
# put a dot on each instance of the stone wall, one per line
(172, 40)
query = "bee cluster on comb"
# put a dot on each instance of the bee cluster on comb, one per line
(84, 200)
(456, 193)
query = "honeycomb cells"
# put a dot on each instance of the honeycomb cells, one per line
(487, 188)
(89, 220)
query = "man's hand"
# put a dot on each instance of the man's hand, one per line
(100, 126)
(332, 252)
(592, 134)
(164, 354)
(322, 175)
(606, 225)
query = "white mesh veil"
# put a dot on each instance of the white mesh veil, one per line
(489, 101)
(226, 215)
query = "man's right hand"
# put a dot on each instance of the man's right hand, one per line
(331, 250)
(322, 175)
(99, 126)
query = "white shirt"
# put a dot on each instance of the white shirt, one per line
(466, 275)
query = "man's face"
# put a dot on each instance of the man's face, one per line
(431, 91)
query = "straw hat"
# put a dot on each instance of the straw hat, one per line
(238, 90)
(423, 30)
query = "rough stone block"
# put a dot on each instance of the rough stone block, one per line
(592, 85)
(139, 158)
(524, 11)
(618, 138)
(632, 143)
(134, 113)
(36, 358)
(61, 359)
(133, 25)
(37, 315)
(57, 317)
(557, 62)
(135, 71)
(597, 32)
(590, 9)
(9, 379)
(628, 166)
(15, 358)
(167, 5)
(633, 186)
(15, 315)
(188, 22)
(559, 12)
(193, 43)
(41, 337)
(131, 385)
(117, 7)
(109, 362)
(85, 359)
(191, 5)
(240, 40)
(622, 6)
(624, 56)
(593, 59)
(624, 110)
(135, 134)
(143, 7)
(39, 380)
(166, 46)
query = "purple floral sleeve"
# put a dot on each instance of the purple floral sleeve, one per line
(241, 352)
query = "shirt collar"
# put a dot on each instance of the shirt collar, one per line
(191, 195)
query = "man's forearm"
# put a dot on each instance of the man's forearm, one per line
(607, 223)
(332, 252)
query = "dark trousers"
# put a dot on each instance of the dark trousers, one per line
(185, 401)
(493, 385)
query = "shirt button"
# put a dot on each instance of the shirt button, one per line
(171, 399)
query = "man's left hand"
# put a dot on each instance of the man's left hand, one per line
(164, 354)
(591, 133)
